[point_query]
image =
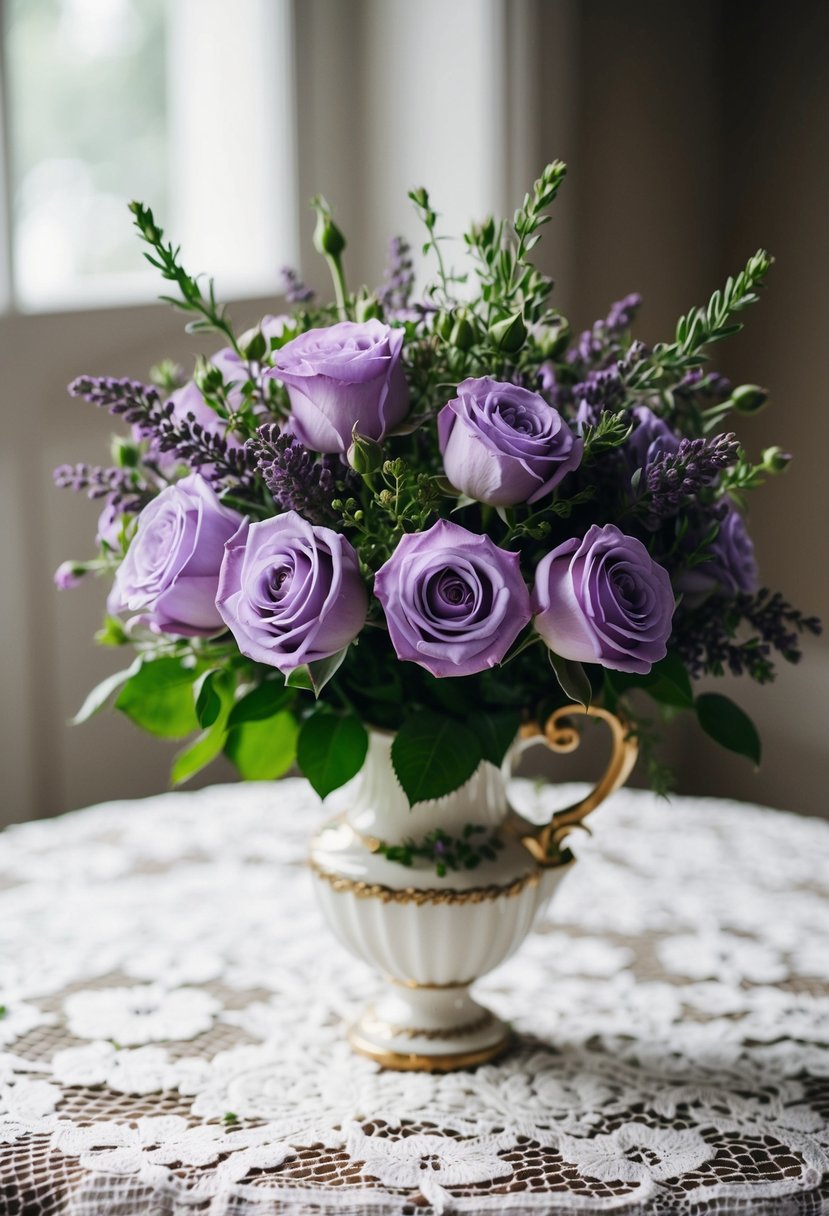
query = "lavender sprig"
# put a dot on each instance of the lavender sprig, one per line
(140, 405)
(398, 275)
(674, 478)
(596, 346)
(121, 486)
(294, 289)
(297, 481)
(708, 644)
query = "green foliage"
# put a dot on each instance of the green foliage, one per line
(572, 678)
(263, 748)
(445, 852)
(667, 682)
(728, 725)
(495, 731)
(159, 697)
(210, 317)
(331, 749)
(432, 755)
(102, 693)
(703, 326)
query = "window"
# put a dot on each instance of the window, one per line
(185, 104)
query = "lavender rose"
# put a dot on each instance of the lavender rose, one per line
(454, 602)
(291, 593)
(731, 568)
(503, 445)
(348, 375)
(650, 437)
(170, 574)
(604, 600)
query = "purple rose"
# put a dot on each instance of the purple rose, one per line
(604, 600)
(110, 525)
(731, 568)
(235, 371)
(454, 602)
(649, 438)
(189, 400)
(503, 445)
(170, 574)
(348, 375)
(290, 592)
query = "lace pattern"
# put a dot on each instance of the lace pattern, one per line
(172, 1005)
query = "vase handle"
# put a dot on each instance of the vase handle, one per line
(561, 736)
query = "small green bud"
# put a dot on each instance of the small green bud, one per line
(359, 516)
(368, 309)
(463, 333)
(256, 347)
(775, 460)
(124, 452)
(510, 334)
(444, 322)
(749, 399)
(364, 455)
(419, 197)
(328, 239)
(167, 374)
(386, 498)
(207, 377)
(554, 338)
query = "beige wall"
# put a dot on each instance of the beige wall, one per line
(694, 132)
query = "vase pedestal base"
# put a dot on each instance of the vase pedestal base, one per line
(423, 1029)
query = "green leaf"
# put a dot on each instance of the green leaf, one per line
(212, 692)
(573, 679)
(314, 676)
(263, 749)
(101, 693)
(728, 725)
(331, 749)
(159, 698)
(667, 682)
(433, 755)
(262, 702)
(111, 633)
(495, 732)
(205, 748)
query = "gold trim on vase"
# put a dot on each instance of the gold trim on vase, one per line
(414, 984)
(429, 895)
(413, 1061)
(371, 1024)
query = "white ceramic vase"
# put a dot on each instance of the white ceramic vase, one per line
(432, 936)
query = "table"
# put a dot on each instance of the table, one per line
(171, 1038)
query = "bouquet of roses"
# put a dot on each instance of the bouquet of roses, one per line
(440, 517)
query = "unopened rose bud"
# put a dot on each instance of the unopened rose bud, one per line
(68, 575)
(207, 377)
(444, 323)
(748, 398)
(552, 340)
(510, 334)
(365, 456)
(124, 452)
(775, 460)
(328, 239)
(463, 333)
(368, 309)
(256, 347)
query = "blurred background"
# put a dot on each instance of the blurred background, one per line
(694, 133)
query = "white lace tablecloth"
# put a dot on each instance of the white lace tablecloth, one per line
(171, 1033)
